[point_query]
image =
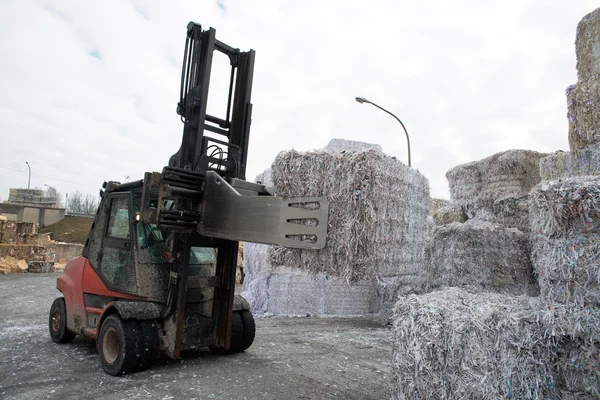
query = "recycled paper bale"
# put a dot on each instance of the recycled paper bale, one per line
(452, 344)
(587, 46)
(377, 231)
(583, 101)
(505, 178)
(482, 256)
(378, 211)
(565, 224)
(565, 164)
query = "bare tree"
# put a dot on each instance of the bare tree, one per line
(80, 203)
(52, 192)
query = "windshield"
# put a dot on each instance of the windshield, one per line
(153, 245)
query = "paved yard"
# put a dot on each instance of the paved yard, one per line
(291, 358)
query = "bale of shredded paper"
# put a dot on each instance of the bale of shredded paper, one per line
(281, 290)
(481, 256)
(563, 164)
(566, 208)
(583, 102)
(378, 211)
(565, 224)
(340, 145)
(476, 186)
(587, 46)
(452, 344)
(448, 214)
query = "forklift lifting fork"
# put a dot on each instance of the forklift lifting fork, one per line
(157, 272)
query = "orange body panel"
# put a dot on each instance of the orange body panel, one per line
(69, 283)
(78, 278)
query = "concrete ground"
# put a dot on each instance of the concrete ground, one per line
(291, 358)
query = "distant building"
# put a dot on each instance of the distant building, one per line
(30, 205)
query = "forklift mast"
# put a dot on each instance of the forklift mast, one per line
(198, 151)
(201, 200)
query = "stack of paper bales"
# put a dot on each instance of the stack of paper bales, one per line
(376, 237)
(565, 217)
(481, 240)
(459, 344)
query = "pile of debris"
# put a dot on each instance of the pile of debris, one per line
(455, 343)
(24, 249)
(377, 230)
(12, 232)
(10, 265)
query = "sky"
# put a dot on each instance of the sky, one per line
(88, 90)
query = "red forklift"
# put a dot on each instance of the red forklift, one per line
(157, 272)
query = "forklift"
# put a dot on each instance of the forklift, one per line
(157, 272)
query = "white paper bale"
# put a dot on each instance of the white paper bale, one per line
(257, 271)
(561, 164)
(378, 211)
(565, 223)
(340, 145)
(284, 291)
(478, 185)
(452, 344)
(587, 46)
(481, 256)
(583, 102)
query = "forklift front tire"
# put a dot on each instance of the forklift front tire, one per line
(119, 345)
(150, 343)
(249, 329)
(58, 322)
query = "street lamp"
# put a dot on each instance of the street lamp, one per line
(362, 100)
(29, 181)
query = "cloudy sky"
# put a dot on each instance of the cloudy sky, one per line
(88, 89)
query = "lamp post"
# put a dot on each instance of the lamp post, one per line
(29, 180)
(362, 100)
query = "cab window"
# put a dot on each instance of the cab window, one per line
(118, 223)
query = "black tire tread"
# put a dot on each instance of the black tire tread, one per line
(237, 333)
(249, 329)
(150, 343)
(63, 335)
(130, 346)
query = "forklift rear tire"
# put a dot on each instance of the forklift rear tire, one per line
(119, 345)
(150, 343)
(249, 329)
(58, 322)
